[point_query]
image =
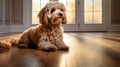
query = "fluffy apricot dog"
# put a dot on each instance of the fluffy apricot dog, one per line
(48, 35)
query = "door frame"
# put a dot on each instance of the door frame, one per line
(80, 26)
(92, 27)
(73, 27)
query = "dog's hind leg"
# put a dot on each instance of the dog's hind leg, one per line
(7, 44)
(23, 41)
(4, 45)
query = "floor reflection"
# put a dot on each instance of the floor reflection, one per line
(86, 50)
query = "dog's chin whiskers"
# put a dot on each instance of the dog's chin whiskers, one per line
(58, 19)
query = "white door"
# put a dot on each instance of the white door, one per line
(82, 15)
(85, 15)
(92, 15)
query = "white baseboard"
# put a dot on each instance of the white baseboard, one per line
(16, 28)
(10, 28)
(20, 28)
(4, 29)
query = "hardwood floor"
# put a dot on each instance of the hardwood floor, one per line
(86, 50)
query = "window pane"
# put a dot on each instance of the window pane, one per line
(43, 3)
(97, 18)
(71, 17)
(35, 5)
(93, 12)
(70, 10)
(97, 5)
(88, 5)
(88, 18)
(70, 5)
(35, 19)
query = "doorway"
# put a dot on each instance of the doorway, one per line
(82, 15)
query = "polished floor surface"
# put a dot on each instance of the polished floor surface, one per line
(86, 50)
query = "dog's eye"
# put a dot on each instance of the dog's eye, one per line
(61, 9)
(52, 10)
(47, 10)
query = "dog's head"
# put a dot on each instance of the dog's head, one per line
(53, 14)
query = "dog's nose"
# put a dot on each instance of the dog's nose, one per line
(60, 14)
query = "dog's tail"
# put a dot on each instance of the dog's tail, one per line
(7, 44)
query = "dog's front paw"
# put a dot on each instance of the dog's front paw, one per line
(51, 48)
(63, 47)
(23, 46)
(47, 47)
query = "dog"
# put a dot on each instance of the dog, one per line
(48, 36)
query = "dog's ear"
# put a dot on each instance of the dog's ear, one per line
(43, 17)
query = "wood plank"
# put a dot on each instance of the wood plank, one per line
(91, 54)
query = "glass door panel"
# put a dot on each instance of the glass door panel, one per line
(92, 15)
(92, 11)
(35, 10)
(36, 7)
(70, 10)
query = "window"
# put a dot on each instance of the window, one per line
(36, 7)
(70, 10)
(38, 4)
(92, 11)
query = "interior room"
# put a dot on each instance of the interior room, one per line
(92, 33)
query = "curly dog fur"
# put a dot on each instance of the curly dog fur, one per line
(48, 35)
